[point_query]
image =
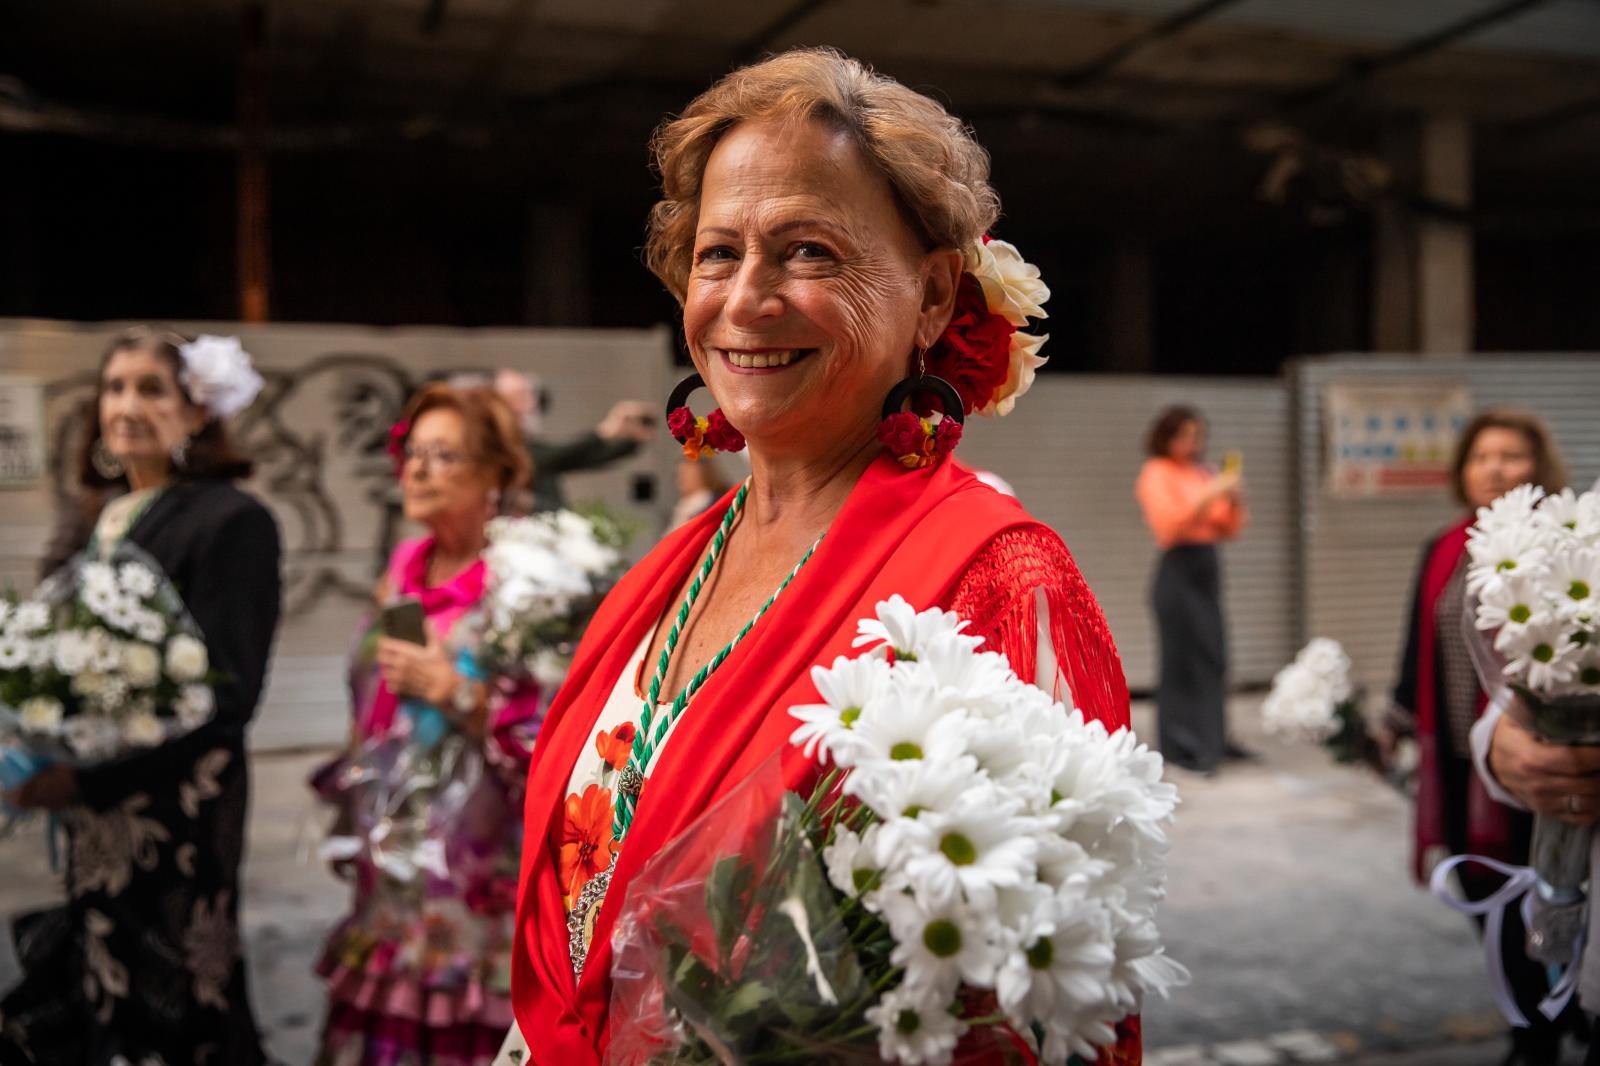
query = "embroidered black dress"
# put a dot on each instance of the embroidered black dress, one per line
(143, 963)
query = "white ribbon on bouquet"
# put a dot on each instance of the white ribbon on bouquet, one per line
(1520, 882)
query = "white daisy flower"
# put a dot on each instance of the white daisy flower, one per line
(30, 617)
(1503, 553)
(187, 659)
(907, 789)
(1058, 962)
(143, 730)
(137, 580)
(980, 844)
(846, 687)
(1511, 601)
(1542, 655)
(941, 945)
(98, 576)
(914, 1027)
(912, 722)
(41, 714)
(72, 651)
(101, 600)
(16, 651)
(908, 633)
(141, 665)
(194, 706)
(851, 863)
(1575, 579)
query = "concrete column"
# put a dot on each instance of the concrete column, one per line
(556, 275)
(1422, 270)
(1129, 339)
(1444, 244)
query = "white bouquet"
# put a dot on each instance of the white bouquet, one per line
(546, 573)
(1535, 573)
(101, 661)
(993, 863)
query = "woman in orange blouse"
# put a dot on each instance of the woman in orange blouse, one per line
(1189, 507)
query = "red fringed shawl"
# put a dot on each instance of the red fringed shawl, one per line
(1488, 823)
(935, 536)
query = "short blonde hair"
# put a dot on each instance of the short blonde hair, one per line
(937, 170)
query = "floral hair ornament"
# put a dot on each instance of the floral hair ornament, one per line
(982, 352)
(218, 376)
(396, 445)
(699, 436)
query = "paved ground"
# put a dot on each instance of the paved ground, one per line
(1290, 902)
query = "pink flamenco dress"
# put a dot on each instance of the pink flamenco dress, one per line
(429, 835)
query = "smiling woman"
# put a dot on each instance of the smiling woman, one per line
(824, 229)
(144, 961)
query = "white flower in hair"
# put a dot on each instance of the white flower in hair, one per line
(1011, 284)
(218, 375)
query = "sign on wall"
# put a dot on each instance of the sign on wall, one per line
(1394, 439)
(22, 428)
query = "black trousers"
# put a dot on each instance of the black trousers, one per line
(1186, 597)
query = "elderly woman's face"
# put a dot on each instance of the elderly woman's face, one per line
(808, 292)
(442, 480)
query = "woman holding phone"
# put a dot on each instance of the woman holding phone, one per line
(430, 792)
(1190, 507)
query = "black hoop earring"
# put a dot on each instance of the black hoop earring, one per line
(681, 391)
(699, 436)
(949, 399)
(105, 464)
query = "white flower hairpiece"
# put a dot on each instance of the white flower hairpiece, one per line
(1013, 289)
(218, 376)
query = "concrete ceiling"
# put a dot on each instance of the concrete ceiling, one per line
(1075, 83)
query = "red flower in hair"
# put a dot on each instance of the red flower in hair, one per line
(974, 352)
(680, 422)
(720, 433)
(397, 443)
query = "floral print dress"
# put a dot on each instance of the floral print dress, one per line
(419, 974)
(588, 848)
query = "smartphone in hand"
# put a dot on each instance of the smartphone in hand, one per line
(403, 620)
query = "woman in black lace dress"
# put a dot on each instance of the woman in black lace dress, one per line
(142, 964)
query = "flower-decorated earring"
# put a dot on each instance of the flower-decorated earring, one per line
(699, 436)
(916, 440)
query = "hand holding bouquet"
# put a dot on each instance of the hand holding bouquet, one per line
(980, 867)
(1534, 586)
(102, 661)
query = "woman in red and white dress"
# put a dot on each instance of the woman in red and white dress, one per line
(824, 228)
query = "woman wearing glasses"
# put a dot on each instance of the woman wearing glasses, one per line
(430, 792)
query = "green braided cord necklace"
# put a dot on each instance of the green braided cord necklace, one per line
(644, 743)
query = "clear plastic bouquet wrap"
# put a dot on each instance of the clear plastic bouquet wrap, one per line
(414, 810)
(1314, 700)
(977, 872)
(1533, 586)
(101, 661)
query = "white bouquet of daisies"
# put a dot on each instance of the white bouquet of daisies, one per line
(981, 865)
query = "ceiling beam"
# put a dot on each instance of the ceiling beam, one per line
(1097, 68)
(759, 43)
(1363, 69)
(1545, 121)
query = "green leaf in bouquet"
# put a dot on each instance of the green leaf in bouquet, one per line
(728, 888)
(747, 998)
